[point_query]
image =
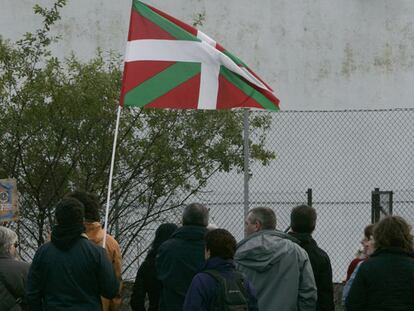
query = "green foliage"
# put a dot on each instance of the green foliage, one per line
(57, 120)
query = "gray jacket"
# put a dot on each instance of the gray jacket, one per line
(279, 270)
(13, 274)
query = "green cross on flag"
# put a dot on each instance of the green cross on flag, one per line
(169, 64)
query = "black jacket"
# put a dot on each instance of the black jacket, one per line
(178, 260)
(322, 270)
(13, 274)
(146, 283)
(384, 282)
(71, 277)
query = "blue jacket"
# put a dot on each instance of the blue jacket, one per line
(202, 292)
(178, 260)
(70, 278)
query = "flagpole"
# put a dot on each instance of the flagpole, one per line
(111, 171)
(246, 161)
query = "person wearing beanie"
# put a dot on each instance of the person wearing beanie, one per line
(96, 233)
(70, 272)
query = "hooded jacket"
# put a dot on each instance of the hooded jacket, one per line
(279, 270)
(178, 260)
(70, 273)
(96, 234)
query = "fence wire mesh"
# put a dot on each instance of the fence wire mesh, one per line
(341, 155)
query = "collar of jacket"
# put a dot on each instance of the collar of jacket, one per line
(392, 250)
(303, 238)
(190, 233)
(277, 233)
(219, 264)
(94, 231)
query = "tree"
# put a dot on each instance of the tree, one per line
(57, 120)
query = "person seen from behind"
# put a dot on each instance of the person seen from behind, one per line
(180, 257)
(278, 268)
(219, 280)
(70, 273)
(13, 273)
(147, 287)
(385, 281)
(96, 233)
(303, 223)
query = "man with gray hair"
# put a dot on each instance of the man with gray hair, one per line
(180, 257)
(13, 273)
(278, 268)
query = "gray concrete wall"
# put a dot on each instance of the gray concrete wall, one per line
(316, 54)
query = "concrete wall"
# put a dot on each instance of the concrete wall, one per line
(316, 54)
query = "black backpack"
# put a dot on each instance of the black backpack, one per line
(231, 293)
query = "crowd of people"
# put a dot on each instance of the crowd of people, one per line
(199, 267)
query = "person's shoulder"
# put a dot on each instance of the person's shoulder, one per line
(91, 246)
(111, 243)
(110, 239)
(15, 264)
(22, 265)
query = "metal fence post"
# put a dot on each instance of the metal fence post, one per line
(246, 162)
(375, 206)
(309, 193)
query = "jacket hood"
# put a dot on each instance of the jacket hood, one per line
(262, 250)
(190, 233)
(65, 236)
(94, 232)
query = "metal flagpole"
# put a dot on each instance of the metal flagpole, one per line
(246, 161)
(111, 171)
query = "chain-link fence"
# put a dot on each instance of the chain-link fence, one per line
(342, 156)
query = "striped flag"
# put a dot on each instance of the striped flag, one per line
(169, 64)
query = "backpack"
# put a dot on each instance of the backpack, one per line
(231, 293)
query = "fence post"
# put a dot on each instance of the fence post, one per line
(375, 206)
(309, 193)
(246, 162)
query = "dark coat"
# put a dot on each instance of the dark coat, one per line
(146, 283)
(322, 271)
(203, 289)
(178, 260)
(73, 278)
(13, 274)
(385, 282)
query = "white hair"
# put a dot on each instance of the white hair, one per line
(7, 238)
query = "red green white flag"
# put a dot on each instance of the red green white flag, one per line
(169, 64)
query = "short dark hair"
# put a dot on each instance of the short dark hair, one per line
(265, 216)
(90, 202)
(303, 219)
(69, 211)
(220, 243)
(393, 231)
(195, 214)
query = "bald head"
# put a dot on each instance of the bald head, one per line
(195, 214)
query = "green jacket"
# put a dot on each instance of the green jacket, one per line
(279, 270)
